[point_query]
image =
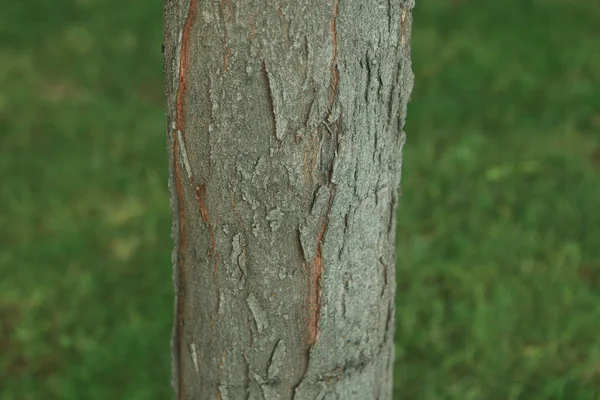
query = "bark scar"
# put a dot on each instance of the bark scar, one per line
(311, 239)
(179, 139)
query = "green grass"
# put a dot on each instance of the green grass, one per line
(499, 224)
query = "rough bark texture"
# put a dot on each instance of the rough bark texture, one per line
(285, 135)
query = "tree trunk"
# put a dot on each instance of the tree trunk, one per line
(285, 135)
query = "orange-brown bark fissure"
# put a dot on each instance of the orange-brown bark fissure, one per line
(179, 124)
(316, 271)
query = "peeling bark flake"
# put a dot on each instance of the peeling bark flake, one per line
(194, 354)
(184, 160)
(276, 360)
(267, 81)
(259, 314)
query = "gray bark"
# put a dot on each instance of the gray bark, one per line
(285, 136)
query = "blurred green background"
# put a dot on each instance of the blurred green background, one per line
(499, 224)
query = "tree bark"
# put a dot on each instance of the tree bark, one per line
(285, 139)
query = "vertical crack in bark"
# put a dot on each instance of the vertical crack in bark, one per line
(252, 28)
(235, 211)
(313, 159)
(224, 15)
(393, 202)
(222, 393)
(183, 62)
(332, 64)
(306, 178)
(211, 120)
(299, 245)
(316, 264)
(267, 82)
(180, 269)
(329, 152)
(389, 15)
(316, 271)
(178, 137)
(286, 24)
(246, 374)
(327, 159)
(404, 36)
(368, 78)
(385, 276)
